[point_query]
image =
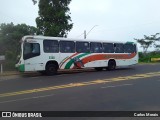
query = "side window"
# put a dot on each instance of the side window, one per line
(82, 47)
(50, 46)
(108, 48)
(31, 50)
(118, 48)
(67, 46)
(129, 48)
(96, 47)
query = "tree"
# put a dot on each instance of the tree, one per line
(145, 44)
(10, 36)
(54, 19)
(147, 41)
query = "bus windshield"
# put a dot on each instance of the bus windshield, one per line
(31, 50)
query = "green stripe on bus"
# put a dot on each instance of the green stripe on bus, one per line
(21, 68)
(68, 65)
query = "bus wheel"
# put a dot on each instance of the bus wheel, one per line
(51, 69)
(98, 68)
(111, 65)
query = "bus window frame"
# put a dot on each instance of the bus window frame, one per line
(134, 48)
(101, 48)
(108, 43)
(115, 48)
(67, 41)
(88, 51)
(50, 46)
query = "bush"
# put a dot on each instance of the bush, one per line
(147, 57)
(9, 65)
(10, 61)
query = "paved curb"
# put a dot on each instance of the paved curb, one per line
(10, 73)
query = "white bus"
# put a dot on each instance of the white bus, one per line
(48, 54)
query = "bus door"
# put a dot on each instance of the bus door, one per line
(31, 55)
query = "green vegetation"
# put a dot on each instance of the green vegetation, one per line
(10, 36)
(149, 41)
(146, 57)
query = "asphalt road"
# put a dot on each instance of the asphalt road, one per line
(126, 89)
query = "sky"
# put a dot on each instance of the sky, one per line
(117, 20)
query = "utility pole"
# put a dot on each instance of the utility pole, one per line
(85, 35)
(2, 59)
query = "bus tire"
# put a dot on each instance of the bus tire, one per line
(51, 69)
(111, 65)
(98, 68)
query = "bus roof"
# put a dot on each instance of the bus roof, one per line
(39, 37)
